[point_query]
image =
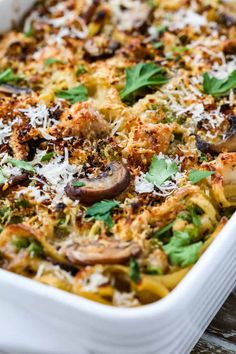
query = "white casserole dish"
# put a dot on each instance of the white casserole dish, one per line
(38, 319)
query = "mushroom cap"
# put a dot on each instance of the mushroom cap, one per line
(228, 144)
(106, 186)
(16, 180)
(14, 90)
(102, 252)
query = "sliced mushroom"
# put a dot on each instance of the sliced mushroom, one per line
(228, 144)
(228, 19)
(106, 186)
(14, 90)
(102, 252)
(89, 12)
(15, 181)
(99, 47)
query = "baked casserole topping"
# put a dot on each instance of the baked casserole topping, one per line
(117, 143)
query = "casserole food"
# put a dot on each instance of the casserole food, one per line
(117, 144)
(146, 154)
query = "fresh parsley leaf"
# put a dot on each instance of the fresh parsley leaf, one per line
(219, 87)
(102, 207)
(47, 156)
(106, 218)
(78, 184)
(196, 176)
(163, 230)
(8, 76)
(180, 250)
(195, 217)
(158, 45)
(134, 270)
(51, 61)
(191, 215)
(160, 170)
(81, 70)
(22, 164)
(76, 94)
(142, 75)
(102, 210)
(2, 178)
(29, 33)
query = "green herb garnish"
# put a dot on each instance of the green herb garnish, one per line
(158, 45)
(161, 29)
(180, 250)
(2, 178)
(7, 76)
(163, 230)
(102, 211)
(195, 217)
(81, 70)
(47, 156)
(29, 33)
(78, 184)
(160, 170)
(142, 75)
(76, 94)
(196, 176)
(134, 270)
(219, 87)
(22, 165)
(51, 61)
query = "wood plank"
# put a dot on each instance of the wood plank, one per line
(224, 324)
(211, 344)
(206, 346)
(220, 337)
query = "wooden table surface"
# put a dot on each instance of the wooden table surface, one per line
(220, 337)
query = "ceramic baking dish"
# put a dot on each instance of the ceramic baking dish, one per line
(38, 319)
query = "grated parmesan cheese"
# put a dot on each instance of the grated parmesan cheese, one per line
(6, 130)
(186, 17)
(39, 117)
(224, 70)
